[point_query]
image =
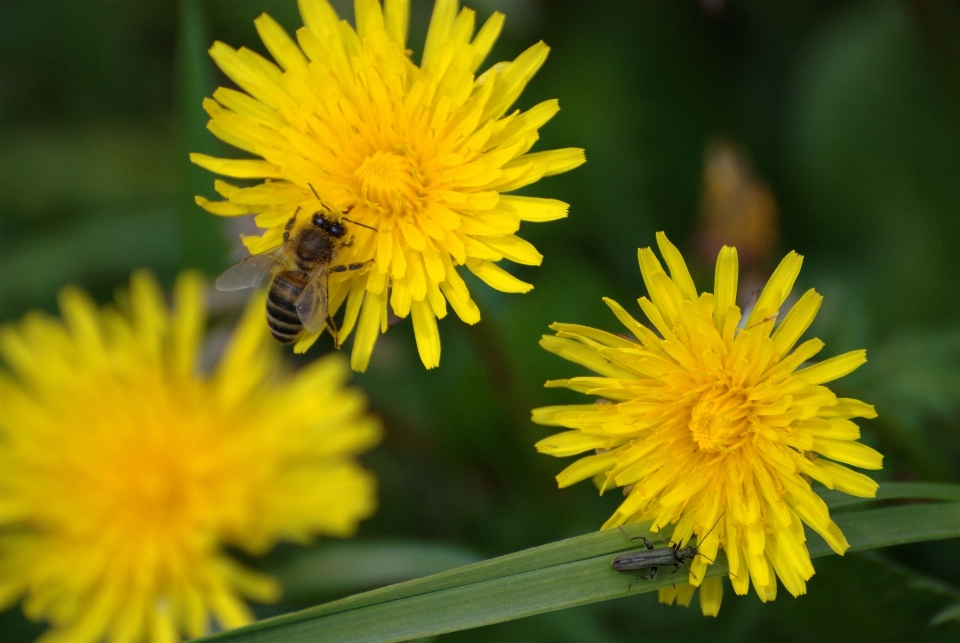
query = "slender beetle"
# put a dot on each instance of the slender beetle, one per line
(650, 559)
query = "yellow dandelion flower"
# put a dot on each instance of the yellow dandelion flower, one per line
(709, 417)
(420, 155)
(127, 471)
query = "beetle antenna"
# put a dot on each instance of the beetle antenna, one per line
(700, 540)
(689, 571)
(713, 562)
(362, 225)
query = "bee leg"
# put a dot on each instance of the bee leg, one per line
(649, 576)
(332, 327)
(350, 266)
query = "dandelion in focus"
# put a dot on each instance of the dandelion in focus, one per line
(711, 417)
(419, 158)
(127, 472)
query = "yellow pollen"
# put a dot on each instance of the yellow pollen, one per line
(387, 179)
(716, 420)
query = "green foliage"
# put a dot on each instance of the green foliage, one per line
(559, 575)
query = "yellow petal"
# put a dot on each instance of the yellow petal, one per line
(777, 289)
(796, 322)
(368, 16)
(240, 169)
(515, 249)
(522, 125)
(550, 162)
(246, 105)
(279, 44)
(848, 452)
(396, 17)
(847, 481)
(848, 408)
(678, 269)
(579, 354)
(512, 78)
(725, 285)
(486, 38)
(427, 335)
(569, 443)
(368, 330)
(221, 208)
(685, 594)
(711, 595)
(441, 22)
(464, 306)
(246, 69)
(319, 17)
(534, 209)
(496, 277)
(833, 368)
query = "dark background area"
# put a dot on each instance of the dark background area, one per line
(846, 113)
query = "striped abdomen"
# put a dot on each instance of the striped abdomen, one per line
(285, 324)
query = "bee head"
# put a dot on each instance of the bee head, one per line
(333, 228)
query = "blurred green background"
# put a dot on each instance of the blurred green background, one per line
(847, 114)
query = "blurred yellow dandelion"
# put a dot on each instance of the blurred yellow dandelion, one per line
(711, 417)
(422, 154)
(127, 472)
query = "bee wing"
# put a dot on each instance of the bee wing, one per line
(311, 305)
(250, 272)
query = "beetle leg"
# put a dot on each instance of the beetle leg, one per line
(649, 576)
(669, 542)
(676, 568)
(646, 542)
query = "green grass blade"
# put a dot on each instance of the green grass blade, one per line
(551, 577)
(894, 491)
(341, 567)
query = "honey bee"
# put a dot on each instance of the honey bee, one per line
(298, 271)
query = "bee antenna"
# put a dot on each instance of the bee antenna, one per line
(314, 190)
(362, 225)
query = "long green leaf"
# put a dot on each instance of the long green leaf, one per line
(894, 491)
(351, 566)
(550, 577)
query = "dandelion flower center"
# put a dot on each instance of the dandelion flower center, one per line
(718, 418)
(155, 491)
(386, 180)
